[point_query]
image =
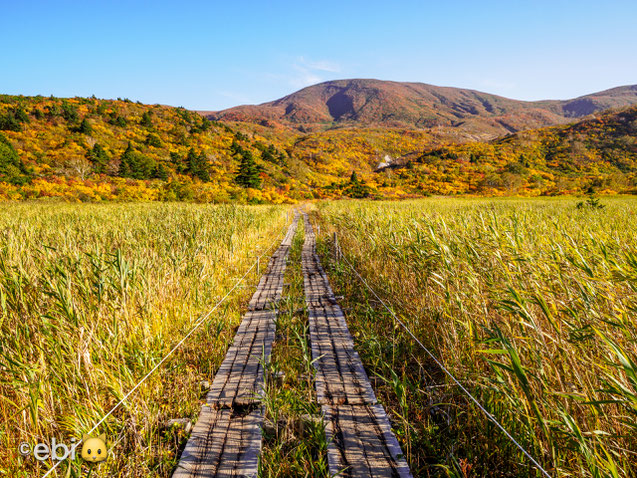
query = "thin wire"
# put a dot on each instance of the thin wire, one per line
(196, 326)
(435, 359)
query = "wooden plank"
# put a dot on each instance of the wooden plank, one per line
(340, 376)
(223, 443)
(361, 443)
(239, 380)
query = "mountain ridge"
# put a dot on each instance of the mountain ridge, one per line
(371, 102)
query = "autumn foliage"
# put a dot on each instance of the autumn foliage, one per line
(86, 149)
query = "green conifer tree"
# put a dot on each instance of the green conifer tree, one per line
(12, 169)
(85, 127)
(248, 174)
(98, 157)
(125, 161)
(146, 120)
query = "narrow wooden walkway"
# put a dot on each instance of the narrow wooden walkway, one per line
(226, 440)
(360, 440)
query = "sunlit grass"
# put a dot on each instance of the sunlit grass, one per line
(92, 297)
(531, 303)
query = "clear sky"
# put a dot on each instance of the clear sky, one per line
(211, 55)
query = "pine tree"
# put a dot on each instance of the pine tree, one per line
(178, 161)
(12, 169)
(197, 165)
(248, 174)
(191, 162)
(85, 127)
(357, 188)
(153, 140)
(13, 119)
(135, 165)
(9, 122)
(161, 172)
(125, 161)
(203, 172)
(21, 115)
(236, 148)
(270, 154)
(146, 120)
(98, 157)
(69, 112)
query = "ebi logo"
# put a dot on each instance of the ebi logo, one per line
(94, 449)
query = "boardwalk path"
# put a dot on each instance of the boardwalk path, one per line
(360, 440)
(226, 440)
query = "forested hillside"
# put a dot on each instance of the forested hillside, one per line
(88, 149)
(598, 154)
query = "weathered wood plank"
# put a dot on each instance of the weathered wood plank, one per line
(360, 440)
(361, 443)
(223, 443)
(239, 380)
(340, 376)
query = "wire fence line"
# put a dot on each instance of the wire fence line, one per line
(338, 254)
(198, 324)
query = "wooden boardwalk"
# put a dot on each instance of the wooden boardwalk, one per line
(223, 443)
(360, 440)
(226, 440)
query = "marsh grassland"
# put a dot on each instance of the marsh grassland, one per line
(531, 303)
(92, 297)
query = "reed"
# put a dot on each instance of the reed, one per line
(92, 297)
(531, 303)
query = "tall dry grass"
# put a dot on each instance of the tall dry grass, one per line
(531, 303)
(92, 297)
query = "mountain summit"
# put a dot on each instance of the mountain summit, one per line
(366, 102)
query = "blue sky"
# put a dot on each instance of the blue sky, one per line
(212, 55)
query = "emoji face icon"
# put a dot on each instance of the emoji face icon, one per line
(94, 448)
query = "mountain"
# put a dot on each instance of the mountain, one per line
(88, 149)
(589, 104)
(375, 103)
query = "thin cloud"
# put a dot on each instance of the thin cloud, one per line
(321, 65)
(309, 72)
(301, 72)
(304, 77)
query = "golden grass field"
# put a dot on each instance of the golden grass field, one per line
(531, 303)
(92, 297)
